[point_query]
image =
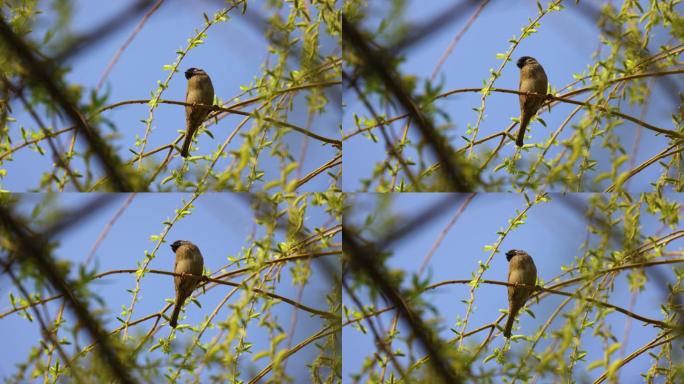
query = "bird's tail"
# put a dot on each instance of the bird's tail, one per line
(176, 311)
(186, 144)
(512, 313)
(524, 121)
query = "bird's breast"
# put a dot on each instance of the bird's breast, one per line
(517, 276)
(200, 90)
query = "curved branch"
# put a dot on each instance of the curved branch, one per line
(667, 152)
(658, 323)
(49, 134)
(562, 97)
(230, 108)
(660, 340)
(550, 289)
(329, 330)
(337, 160)
(229, 274)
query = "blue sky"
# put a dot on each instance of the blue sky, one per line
(233, 55)
(220, 225)
(552, 234)
(564, 45)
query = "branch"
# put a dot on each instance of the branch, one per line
(363, 259)
(34, 248)
(660, 340)
(658, 323)
(126, 43)
(327, 331)
(337, 160)
(234, 273)
(379, 65)
(105, 154)
(562, 97)
(669, 151)
(206, 279)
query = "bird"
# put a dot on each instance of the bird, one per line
(188, 261)
(521, 270)
(532, 79)
(200, 91)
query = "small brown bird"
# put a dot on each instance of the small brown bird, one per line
(532, 79)
(200, 91)
(188, 261)
(521, 270)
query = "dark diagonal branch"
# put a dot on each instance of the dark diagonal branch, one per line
(128, 41)
(445, 17)
(40, 74)
(34, 248)
(115, 22)
(377, 64)
(362, 258)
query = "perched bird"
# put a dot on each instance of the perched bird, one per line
(532, 79)
(521, 270)
(200, 91)
(188, 261)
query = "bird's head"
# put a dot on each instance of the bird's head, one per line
(177, 244)
(193, 72)
(513, 252)
(525, 60)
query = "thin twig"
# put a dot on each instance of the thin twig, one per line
(126, 43)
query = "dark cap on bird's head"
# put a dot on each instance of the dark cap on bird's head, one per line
(192, 72)
(513, 252)
(176, 244)
(525, 60)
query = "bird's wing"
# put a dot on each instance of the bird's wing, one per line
(176, 279)
(521, 98)
(533, 281)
